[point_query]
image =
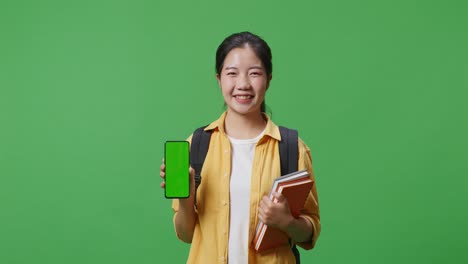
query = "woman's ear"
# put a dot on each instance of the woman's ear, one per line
(268, 81)
(218, 78)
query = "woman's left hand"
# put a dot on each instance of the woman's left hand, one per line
(277, 215)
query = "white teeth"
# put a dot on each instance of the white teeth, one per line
(244, 96)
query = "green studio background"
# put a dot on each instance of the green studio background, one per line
(90, 90)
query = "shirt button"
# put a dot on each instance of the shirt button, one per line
(225, 151)
(225, 174)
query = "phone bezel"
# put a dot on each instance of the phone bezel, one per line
(188, 174)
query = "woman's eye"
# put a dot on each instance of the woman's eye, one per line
(231, 73)
(256, 73)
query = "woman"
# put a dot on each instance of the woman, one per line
(240, 166)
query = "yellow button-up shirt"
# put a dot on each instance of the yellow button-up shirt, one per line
(210, 238)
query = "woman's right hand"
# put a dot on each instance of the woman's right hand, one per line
(162, 173)
(185, 217)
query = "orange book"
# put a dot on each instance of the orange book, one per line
(295, 187)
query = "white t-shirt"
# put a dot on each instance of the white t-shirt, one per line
(243, 151)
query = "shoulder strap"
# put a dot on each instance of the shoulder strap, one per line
(198, 150)
(289, 150)
(289, 156)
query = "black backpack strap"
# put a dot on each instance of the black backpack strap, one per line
(289, 156)
(289, 150)
(198, 150)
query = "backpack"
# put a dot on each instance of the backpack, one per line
(288, 148)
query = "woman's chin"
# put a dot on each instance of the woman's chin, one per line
(244, 110)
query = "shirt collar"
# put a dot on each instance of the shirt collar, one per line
(271, 129)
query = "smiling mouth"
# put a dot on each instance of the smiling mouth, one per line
(244, 97)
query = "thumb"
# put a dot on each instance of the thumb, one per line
(192, 175)
(279, 197)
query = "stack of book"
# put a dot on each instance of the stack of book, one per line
(295, 187)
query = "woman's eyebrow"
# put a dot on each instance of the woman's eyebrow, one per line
(250, 68)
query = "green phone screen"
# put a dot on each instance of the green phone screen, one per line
(177, 169)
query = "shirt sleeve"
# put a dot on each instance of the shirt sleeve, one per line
(310, 211)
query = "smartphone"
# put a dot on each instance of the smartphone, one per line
(176, 158)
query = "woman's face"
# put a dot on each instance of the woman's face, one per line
(243, 81)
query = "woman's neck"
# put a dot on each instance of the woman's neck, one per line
(244, 126)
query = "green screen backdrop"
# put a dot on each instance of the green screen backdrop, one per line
(91, 90)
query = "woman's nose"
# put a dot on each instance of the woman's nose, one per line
(243, 82)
